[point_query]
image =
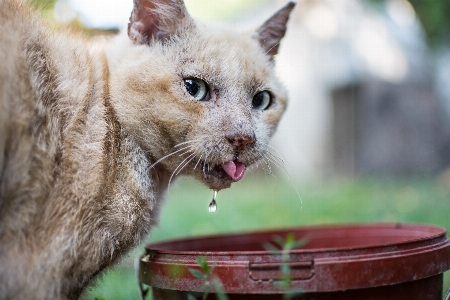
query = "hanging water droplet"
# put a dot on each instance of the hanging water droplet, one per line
(213, 205)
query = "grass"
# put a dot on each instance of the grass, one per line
(262, 202)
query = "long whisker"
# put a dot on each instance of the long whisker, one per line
(277, 164)
(198, 161)
(205, 160)
(277, 152)
(187, 142)
(168, 155)
(269, 167)
(288, 177)
(193, 156)
(276, 159)
(185, 152)
(173, 173)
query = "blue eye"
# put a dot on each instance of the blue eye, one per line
(262, 100)
(197, 88)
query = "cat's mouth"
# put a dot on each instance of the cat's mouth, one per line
(228, 172)
(234, 169)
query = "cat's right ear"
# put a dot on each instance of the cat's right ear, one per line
(274, 29)
(156, 19)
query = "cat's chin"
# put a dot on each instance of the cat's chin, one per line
(222, 176)
(217, 184)
(216, 180)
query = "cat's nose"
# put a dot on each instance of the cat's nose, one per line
(240, 141)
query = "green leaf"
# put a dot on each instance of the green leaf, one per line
(205, 295)
(279, 240)
(300, 243)
(269, 247)
(220, 294)
(203, 263)
(197, 273)
(290, 238)
(295, 292)
(190, 297)
(285, 269)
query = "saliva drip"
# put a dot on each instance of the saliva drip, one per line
(213, 205)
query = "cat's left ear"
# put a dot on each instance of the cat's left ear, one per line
(156, 19)
(274, 29)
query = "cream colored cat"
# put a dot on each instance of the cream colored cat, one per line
(87, 129)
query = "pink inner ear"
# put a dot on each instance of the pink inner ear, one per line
(143, 22)
(155, 21)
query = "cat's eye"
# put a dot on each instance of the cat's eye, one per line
(197, 88)
(262, 100)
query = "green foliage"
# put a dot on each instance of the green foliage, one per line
(435, 17)
(285, 246)
(211, 282)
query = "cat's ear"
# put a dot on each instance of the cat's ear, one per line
(156, 19)
(274, 29)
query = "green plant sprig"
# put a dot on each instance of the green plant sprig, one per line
(285, 246)
(210, 281)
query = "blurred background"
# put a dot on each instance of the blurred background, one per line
(366, 137)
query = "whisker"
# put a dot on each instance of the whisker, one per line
(267, 161)
(182, 162)
(278, 165)
(198, 161)
(168, 155)
(276, 158)
(281, 156)
(176, 169)
(269, 168)
(187, 142)
(288, 177)
(184, 153)
(193, 156)
(205, 161)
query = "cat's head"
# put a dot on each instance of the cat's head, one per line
(207, 95)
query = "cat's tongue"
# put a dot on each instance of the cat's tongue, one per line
(234, 169)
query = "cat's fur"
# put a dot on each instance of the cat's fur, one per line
(82, 124)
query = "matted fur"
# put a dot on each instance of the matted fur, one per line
(82, 125)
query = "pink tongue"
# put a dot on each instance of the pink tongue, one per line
(234, 169)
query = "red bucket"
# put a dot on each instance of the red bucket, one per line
(376, 261)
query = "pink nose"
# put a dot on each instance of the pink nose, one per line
(239, 142)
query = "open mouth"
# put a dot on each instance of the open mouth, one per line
(231, 169)
(234, 169)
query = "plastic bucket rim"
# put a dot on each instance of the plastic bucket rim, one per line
(442, 232)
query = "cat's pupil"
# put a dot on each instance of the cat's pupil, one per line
(258, 100)
(192, 87)
(196, 88)
(261, 101)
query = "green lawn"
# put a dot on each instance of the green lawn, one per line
(260, 202)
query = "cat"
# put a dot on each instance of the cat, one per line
(92, 132)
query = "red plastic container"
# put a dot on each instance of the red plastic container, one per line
(370, 262)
